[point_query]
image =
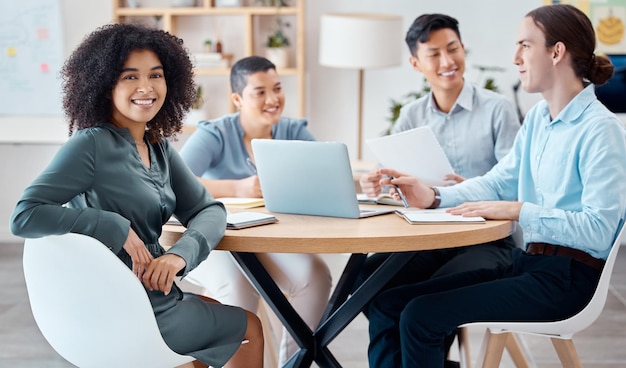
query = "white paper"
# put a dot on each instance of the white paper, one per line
(438, 215)
(383, 198)
(415, 152)
(242, 202)
(246, 217)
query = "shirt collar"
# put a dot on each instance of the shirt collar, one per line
(464, 101)
(575, 108)
(240, 128)
(122, 132)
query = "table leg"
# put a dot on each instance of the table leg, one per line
(345, 284)
(339, 313)
(276, 300)
(333, 325)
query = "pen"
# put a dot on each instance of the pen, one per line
(400, 194)
(251, 165)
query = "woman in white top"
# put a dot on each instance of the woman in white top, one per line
(220, 154)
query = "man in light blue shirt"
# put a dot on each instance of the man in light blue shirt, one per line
(474, 126)
(563, 181)
(581, 213)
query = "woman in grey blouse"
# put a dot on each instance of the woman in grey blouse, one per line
(126, 89)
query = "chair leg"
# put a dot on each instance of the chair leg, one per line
(464, 347)
(567, 353)
(491, 350)
(516, 352)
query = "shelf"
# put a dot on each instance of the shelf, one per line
(189, 23)
(226, 71)
(199, 11)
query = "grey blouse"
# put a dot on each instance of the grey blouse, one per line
(102, 164)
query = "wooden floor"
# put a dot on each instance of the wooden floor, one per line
(602, 345)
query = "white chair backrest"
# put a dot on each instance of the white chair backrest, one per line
(568, 327)
(90, 307)
(593, 310)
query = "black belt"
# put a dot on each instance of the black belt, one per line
(558, 250)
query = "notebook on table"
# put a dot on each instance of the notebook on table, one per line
(437, 216)
(239, 220)
(308, 178)
(241, 202)
(244, 220)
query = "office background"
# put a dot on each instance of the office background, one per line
(488, 29)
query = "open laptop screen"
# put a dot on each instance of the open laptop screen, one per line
(305, 177)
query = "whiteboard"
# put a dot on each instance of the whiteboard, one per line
(31, 57)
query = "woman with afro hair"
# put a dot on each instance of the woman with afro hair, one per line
(126, 89)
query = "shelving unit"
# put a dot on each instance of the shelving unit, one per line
(171, 17)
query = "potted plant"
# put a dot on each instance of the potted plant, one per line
(196, 113)
(208, 45)
(277, 45)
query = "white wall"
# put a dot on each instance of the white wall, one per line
(27, 143)
(488, 29)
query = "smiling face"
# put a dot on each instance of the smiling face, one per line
(262, 100)
(140, 90)
(442, 60)
(533, 59)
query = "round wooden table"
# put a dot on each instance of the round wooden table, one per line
(316, 234)
(319, 234)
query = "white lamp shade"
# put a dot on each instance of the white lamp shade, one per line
(360, 41)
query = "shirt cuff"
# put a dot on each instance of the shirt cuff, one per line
(528, 219)
(447, 198)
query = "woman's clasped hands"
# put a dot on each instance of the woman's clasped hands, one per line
(155, 274)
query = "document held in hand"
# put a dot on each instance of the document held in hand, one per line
(415, 152)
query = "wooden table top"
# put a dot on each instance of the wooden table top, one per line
(318, 234)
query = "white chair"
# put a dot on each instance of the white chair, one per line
(498, 334)
(90, 307)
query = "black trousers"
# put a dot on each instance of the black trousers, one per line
(409, 324)
(443, 262)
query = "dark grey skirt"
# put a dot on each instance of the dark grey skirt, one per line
(209, 332)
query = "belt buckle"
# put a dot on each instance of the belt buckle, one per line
(541, 248)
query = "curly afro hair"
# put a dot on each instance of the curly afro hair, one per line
(91, 72)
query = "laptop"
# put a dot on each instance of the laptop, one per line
(308, 178)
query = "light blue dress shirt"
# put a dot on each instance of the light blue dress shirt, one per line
(477, 132)
(216, 149)
(570, 172)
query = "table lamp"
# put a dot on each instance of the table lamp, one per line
(360, 41)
